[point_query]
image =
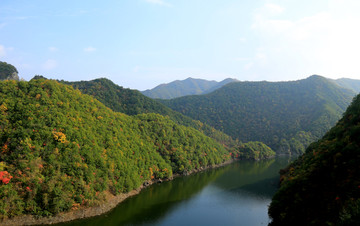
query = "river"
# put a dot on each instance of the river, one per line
(236, 194)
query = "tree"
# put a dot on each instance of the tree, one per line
(8, 71)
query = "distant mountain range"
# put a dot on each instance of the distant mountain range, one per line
(192, 86)
(69, 147)
(348, 83)
(132, 102)
(287, 116)
(189, 86)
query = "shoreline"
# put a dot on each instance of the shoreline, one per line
(110, 203)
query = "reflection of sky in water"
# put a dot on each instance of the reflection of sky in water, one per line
(215, 206)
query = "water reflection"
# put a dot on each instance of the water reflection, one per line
(237, 194)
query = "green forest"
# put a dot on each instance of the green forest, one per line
(286, 116)
(132, 102)
(8, 71)
(62, 150)
(69, 145)
(189, 86)
(322, 187)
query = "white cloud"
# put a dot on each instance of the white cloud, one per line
(263, 19)
(248, 66)
(136, 69)
(158, 2)
(49, 64)
(2, 25)
(2, 51)
(242, 59)
(89, 49)
(242, 40)
(273, 8)
(324, 42)
(52, 49)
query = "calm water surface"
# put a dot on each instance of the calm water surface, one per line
(237, 194)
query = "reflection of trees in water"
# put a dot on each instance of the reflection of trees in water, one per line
(159, 200)
(257, 178)
(156, 201)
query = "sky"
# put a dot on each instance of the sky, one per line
(140, 44)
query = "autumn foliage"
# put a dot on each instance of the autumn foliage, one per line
(5, 177)
(62, 150)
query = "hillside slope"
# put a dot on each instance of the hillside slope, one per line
(189, 86)
(348, 83)
(322, 187)
(62, 150)
(132, 102)
(287, 116)
(8, 72)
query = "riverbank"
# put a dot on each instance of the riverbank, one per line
(110, 203)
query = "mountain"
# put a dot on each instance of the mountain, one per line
(189, 86)
(322, 187)
(8, 72)
(133, 102)
(287, 116)
(63, 150)
(348, 83)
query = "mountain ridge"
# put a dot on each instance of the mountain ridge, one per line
(283, 115)
(352, 84)
(132, 102)
(62, 150)
(189, 86)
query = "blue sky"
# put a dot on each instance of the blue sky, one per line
(142, 43)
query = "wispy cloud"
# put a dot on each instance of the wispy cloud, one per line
(263, 19)
(273, 8)
(50, 64)
(325, 42)
(89, 49)
(2, 51)
(136, 69)
(2, 25)
(19, 17)
(53, 49)
(159, 2)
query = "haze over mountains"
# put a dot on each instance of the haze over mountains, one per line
(189, 86)
(192, 86)
(348, 83)
(132, 102)
(287, 116)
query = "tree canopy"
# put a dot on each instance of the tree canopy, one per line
(8, 71)
(322, 187)
(62, 150)
(287, 116)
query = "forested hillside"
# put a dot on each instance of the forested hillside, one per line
(61, 149)
(8, 71)
(287, 116)
(132, 102)
(189, 86)
(348, 83)
(322, 187)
